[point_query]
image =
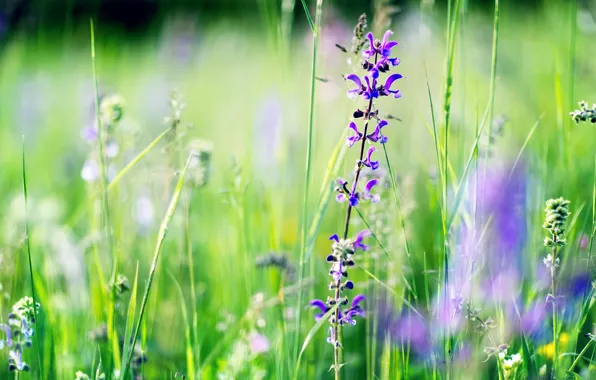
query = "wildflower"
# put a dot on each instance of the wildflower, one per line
(374, 165)
(19, 332)
(376, 136)
(377, 60)
(258, 343)
(584, 113)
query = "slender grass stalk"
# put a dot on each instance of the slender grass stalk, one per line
(163, 229)
(453, 22)
(28, 245)
(493, 77)
(580, 355)
(105, 206)
(305, 200)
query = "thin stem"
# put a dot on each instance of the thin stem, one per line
(554, 301)
(580, 355)
(336, 327)
(306, 190)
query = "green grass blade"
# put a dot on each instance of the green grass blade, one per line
(130, 317)
(163, 229)
(306, 190)
(190, 363)
(309, 18)
(28, 245)
(324, 319)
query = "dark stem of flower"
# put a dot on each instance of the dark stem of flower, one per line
(336, 346)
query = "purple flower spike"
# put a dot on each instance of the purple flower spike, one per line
(386, 46)
(386, 91)
(351, 140)
(371, 47)
(334, 237)
(376, 135)
(358, 241)
(374, 198)
(359, 86)
(374, 165)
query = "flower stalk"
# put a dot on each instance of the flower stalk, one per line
(557, 212)
(376, 60)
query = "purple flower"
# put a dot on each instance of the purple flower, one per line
(338, 270)
(386, 88)
(321, 306)
(351, 140)
(371, 91)
(355, 310)
(386, 45)
(367, 195)
(352, 198)
(371, 51)
(334, 237)
(374, 165)
(376, 136)
(331, 338)
(358, 241)
(8, 334)
(360, 88)
(258, 343)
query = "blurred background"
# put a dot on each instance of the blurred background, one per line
(223, 303)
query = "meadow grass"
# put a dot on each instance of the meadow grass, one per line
(150, 270)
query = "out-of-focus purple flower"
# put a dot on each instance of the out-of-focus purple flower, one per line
(8, 336)
(367, 195)
(258, 343)
(358, 241)
(376, 136)
(584, 242)
(89, 133)
(386, 88)
(532, 318)
(374, 165)
(351, 140)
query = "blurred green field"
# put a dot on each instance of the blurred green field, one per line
(212, 312)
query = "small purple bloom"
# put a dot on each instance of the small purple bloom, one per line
(353, 200)
(386, 90)
(321, 305)
(8, 334)
(386, 46)
(338, 270)
(371, 47)
(334, 237)
(354, 310)
(376, 136)
(258, 343)
(374, 165)
(371, 91)
(359, 90)
(331, 338)
(367, 195)
(351, 140)
(358, 241)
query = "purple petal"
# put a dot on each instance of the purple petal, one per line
(353, 200)
(357, 300)
(369, 185)
(341, 182)
(358, 241)
(356, 79)
(394, 61)
(369, 153)
(319, 304)
(334, 237)
(382, 123)
(386, 36)
(390, 79)
(341, 197)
